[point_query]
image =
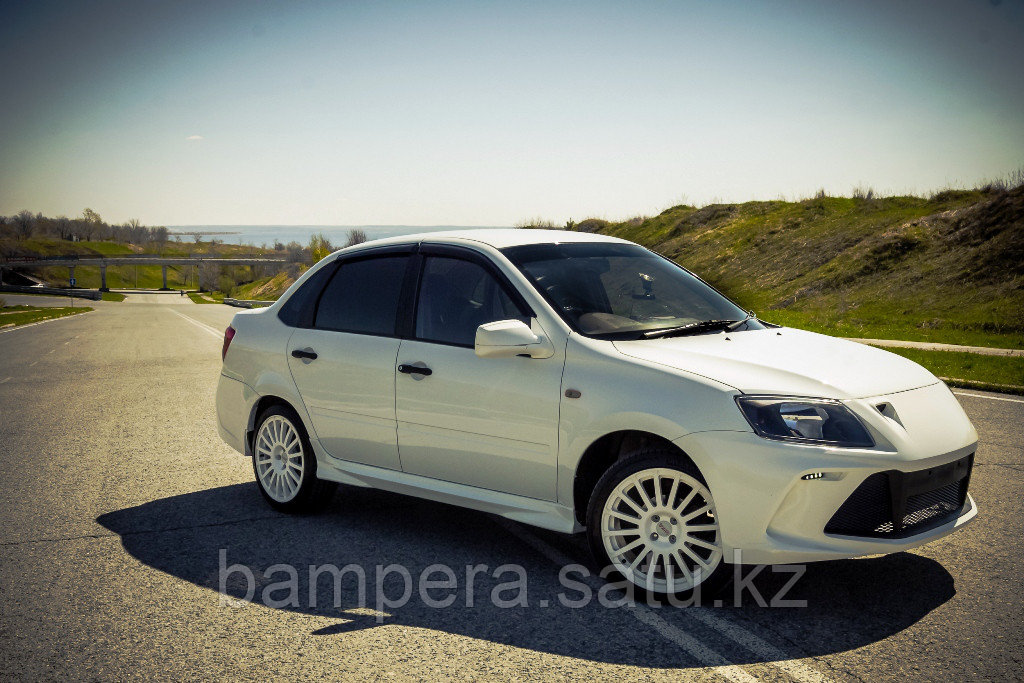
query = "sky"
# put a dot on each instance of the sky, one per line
(487, 113)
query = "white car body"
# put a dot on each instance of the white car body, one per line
(500, 434)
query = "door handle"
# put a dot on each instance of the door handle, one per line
(414, 370)
(304, 353)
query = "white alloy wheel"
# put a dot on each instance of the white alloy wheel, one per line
(660, 530)
(280, 460)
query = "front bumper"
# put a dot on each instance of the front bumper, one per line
(771, 515)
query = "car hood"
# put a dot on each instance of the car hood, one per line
(785, 361)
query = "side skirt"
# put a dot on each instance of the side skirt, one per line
(540, 513)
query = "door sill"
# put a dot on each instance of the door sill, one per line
(541, 513)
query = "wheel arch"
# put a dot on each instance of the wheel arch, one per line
(258, 406)
(605, 452)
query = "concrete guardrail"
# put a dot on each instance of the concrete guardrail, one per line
(77, 293)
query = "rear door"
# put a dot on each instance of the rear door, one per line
(343, 362)
(485, 422)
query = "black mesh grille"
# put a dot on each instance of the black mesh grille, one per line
(934, 505)
(896, 504)
(868, 509)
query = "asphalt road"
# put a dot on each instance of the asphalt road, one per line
(118, 499)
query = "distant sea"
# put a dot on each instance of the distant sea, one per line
(337, 234)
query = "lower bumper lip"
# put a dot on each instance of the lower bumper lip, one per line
(773, 516)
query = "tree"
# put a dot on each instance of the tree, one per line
(319, 247)
(89, 225)
(209, 274)
(23, 223)
(137, 232)
(355, 236)
(63, 227)
(296, 252)
(160, 235)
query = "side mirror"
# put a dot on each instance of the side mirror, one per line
(510, 338)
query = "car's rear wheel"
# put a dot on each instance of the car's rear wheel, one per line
(285, 465)
(652, 519)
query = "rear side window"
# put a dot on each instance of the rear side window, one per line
(363, 296)
(298, 310)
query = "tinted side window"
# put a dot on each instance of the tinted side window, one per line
(456, 297)
(363, 296)
(298, 310)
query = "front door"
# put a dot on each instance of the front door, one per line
(485, 422)
(348, 388)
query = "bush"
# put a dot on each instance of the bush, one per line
(537, 223)
(950, 195)
(355, 236)
(867, 194)
(319, 247)
(592, 225)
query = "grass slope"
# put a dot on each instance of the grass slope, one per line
(997, 370)
(13, 316)
(264, 289)
(949, 268)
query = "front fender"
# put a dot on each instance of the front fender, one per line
(615, 393)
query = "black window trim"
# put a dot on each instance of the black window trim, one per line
(366, 255)
(463, 254)
(408, 300)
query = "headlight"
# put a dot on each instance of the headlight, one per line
(805, 420)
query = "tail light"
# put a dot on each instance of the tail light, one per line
(229, 334)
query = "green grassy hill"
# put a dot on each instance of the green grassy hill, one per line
(949, 268)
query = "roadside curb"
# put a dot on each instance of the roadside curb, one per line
(937, 346)
(43, 322)
(247, 303)
(984, 386)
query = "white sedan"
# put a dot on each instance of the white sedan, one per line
(581, 382)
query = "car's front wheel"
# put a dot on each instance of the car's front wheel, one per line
(285, 465)
(652, 519)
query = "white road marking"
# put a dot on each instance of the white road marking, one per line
(202, 326)
(32, 363)
(707, 656)
(4, 380)
(758, 646)
(991, 398)
(698, 650)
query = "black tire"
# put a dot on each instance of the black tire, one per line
(313, 494)
(708, 585)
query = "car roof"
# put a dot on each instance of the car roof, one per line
(499, 238)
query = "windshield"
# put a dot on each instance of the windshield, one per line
(620, 291)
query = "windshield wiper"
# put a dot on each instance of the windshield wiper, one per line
(698, 327)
